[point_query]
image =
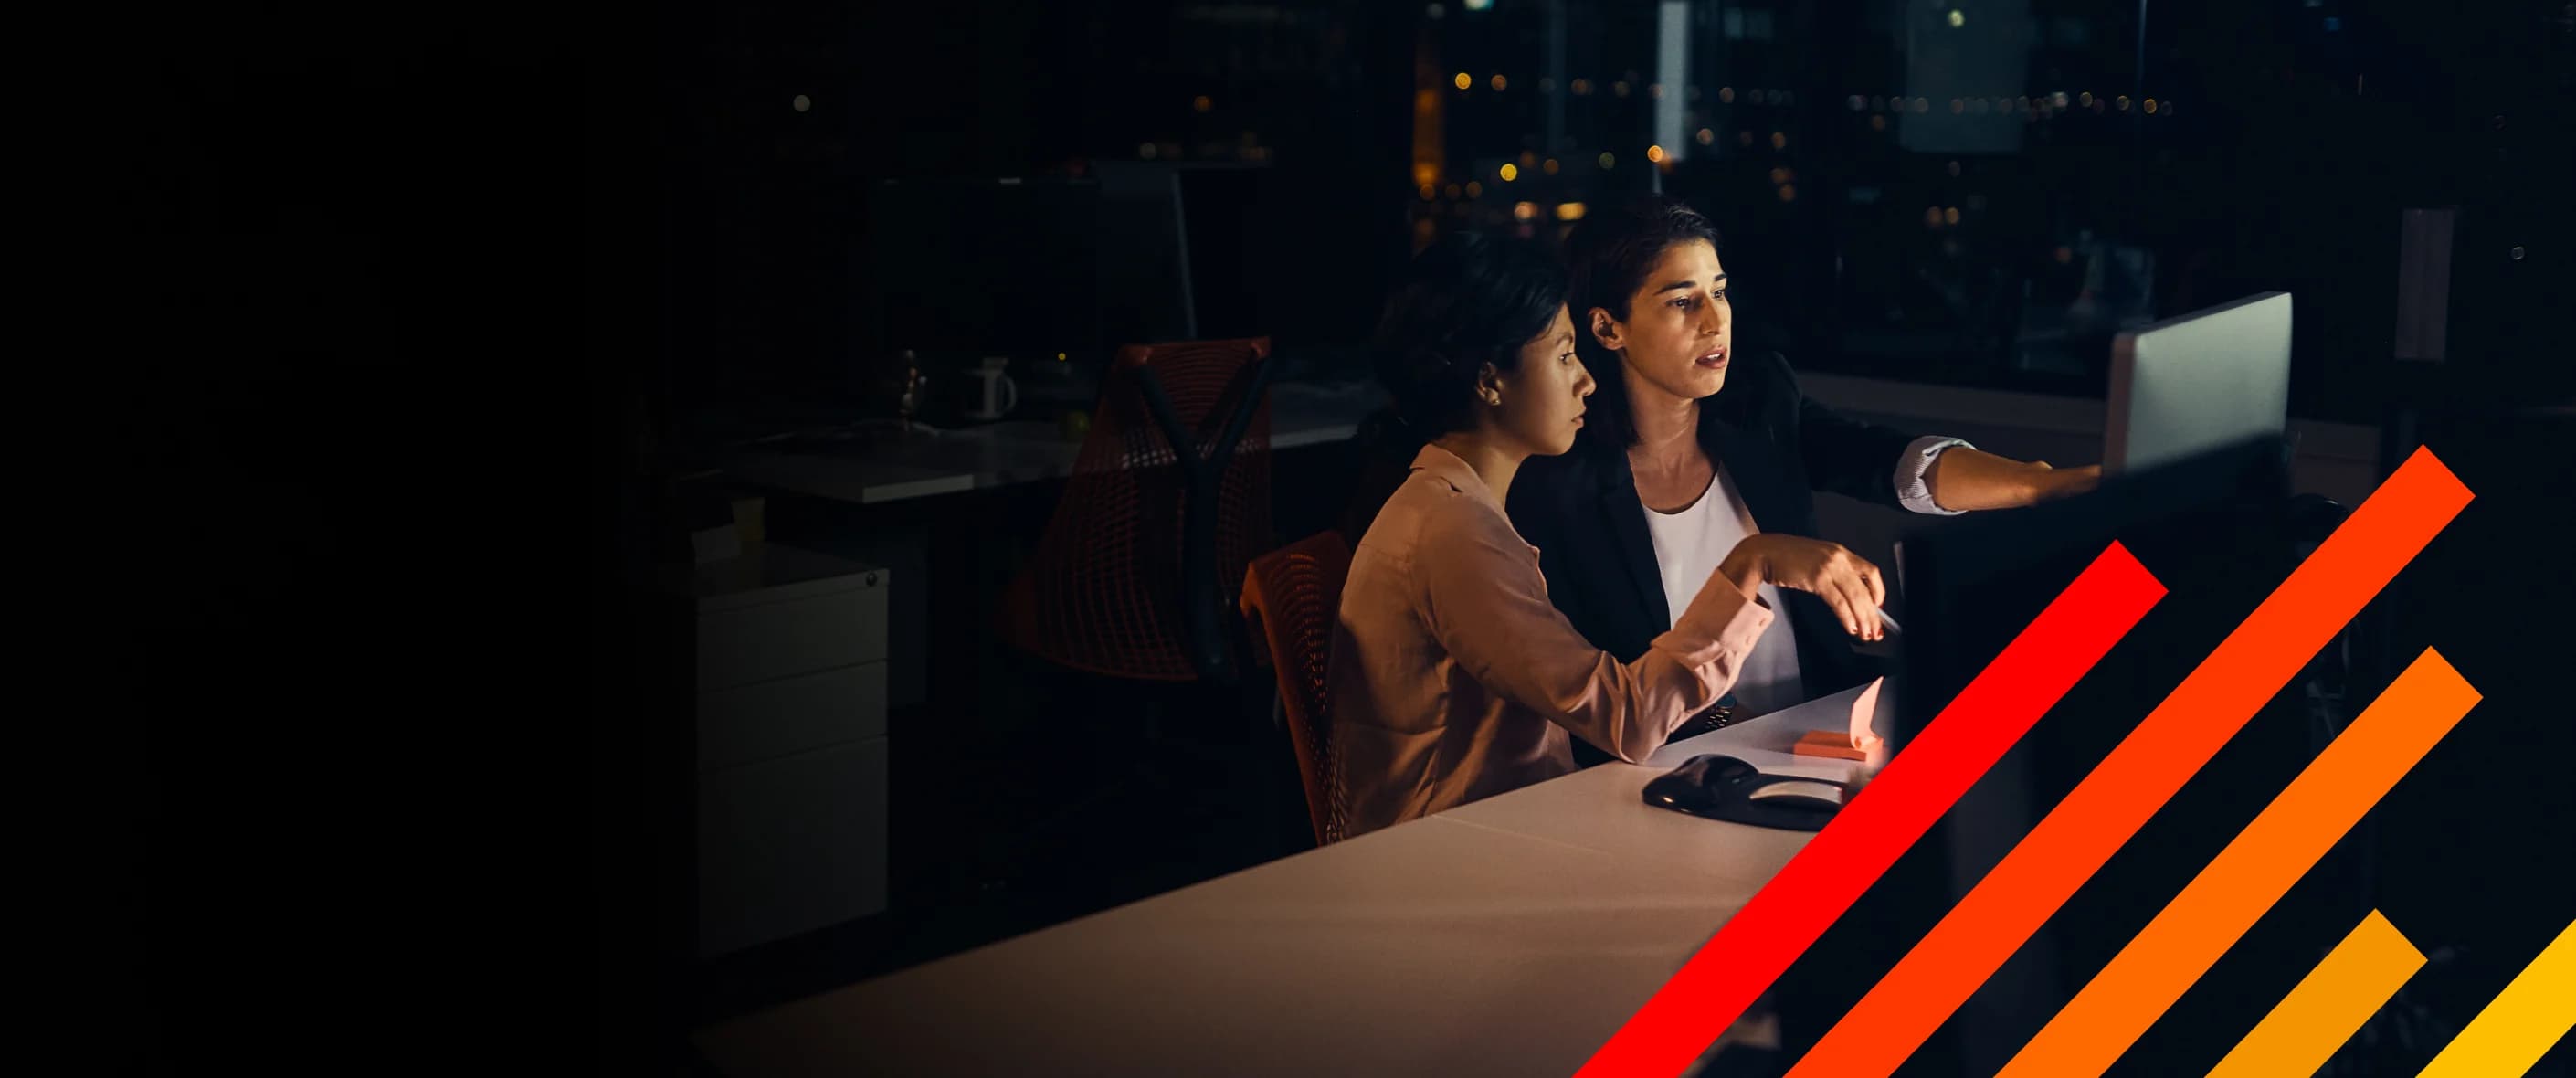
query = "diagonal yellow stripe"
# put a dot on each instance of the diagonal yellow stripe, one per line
(2521, 1023)
(2328, 1005)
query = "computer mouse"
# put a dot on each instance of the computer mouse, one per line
(1725, 788)
(1700, 783)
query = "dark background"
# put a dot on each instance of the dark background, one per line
(426, 300)
(2288, 136)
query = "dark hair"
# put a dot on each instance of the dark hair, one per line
(1607, 259)
(1466, 301)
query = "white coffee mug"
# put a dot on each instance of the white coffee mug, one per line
(1000, 393)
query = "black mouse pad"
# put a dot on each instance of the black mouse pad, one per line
(1725, 788)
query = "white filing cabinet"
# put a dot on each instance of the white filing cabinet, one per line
(791, 745)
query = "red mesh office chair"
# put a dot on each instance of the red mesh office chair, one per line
(1169, 500)
(1291, 598)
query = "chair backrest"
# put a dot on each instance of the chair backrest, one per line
(1137, 568)
(1292, 597)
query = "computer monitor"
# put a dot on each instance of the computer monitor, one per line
(2204, 380)
(2215, 528)
(1235, 240)
(964, 268)
(1144, 254)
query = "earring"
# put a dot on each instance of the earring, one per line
(1494, 399)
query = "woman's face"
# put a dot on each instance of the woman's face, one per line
(1542, 399)
(1679, 326)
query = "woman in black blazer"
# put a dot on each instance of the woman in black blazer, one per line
(1682, 425)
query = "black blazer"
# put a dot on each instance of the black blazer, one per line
(1582, 512)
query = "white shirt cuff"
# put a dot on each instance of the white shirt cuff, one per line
(1914, 474)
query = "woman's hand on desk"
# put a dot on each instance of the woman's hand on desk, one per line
(1846, 581)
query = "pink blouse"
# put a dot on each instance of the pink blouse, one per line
(1454, 678)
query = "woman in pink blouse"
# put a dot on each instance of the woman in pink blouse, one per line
(1453, 676)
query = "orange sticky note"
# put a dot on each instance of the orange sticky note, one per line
(1829, 744)
(1864, 710)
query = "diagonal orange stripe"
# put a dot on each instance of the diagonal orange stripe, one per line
(2253, 872)
(2140, 774)
(2331, 1002)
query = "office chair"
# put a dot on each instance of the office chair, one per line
(1291, 599)
(1135, 574)
(1169, 500)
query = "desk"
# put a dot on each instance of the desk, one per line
(888, 468)
(889, 501)
(1509, 936)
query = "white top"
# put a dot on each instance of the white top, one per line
(1689, 544)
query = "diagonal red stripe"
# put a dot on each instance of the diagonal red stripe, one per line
(1757, 944)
